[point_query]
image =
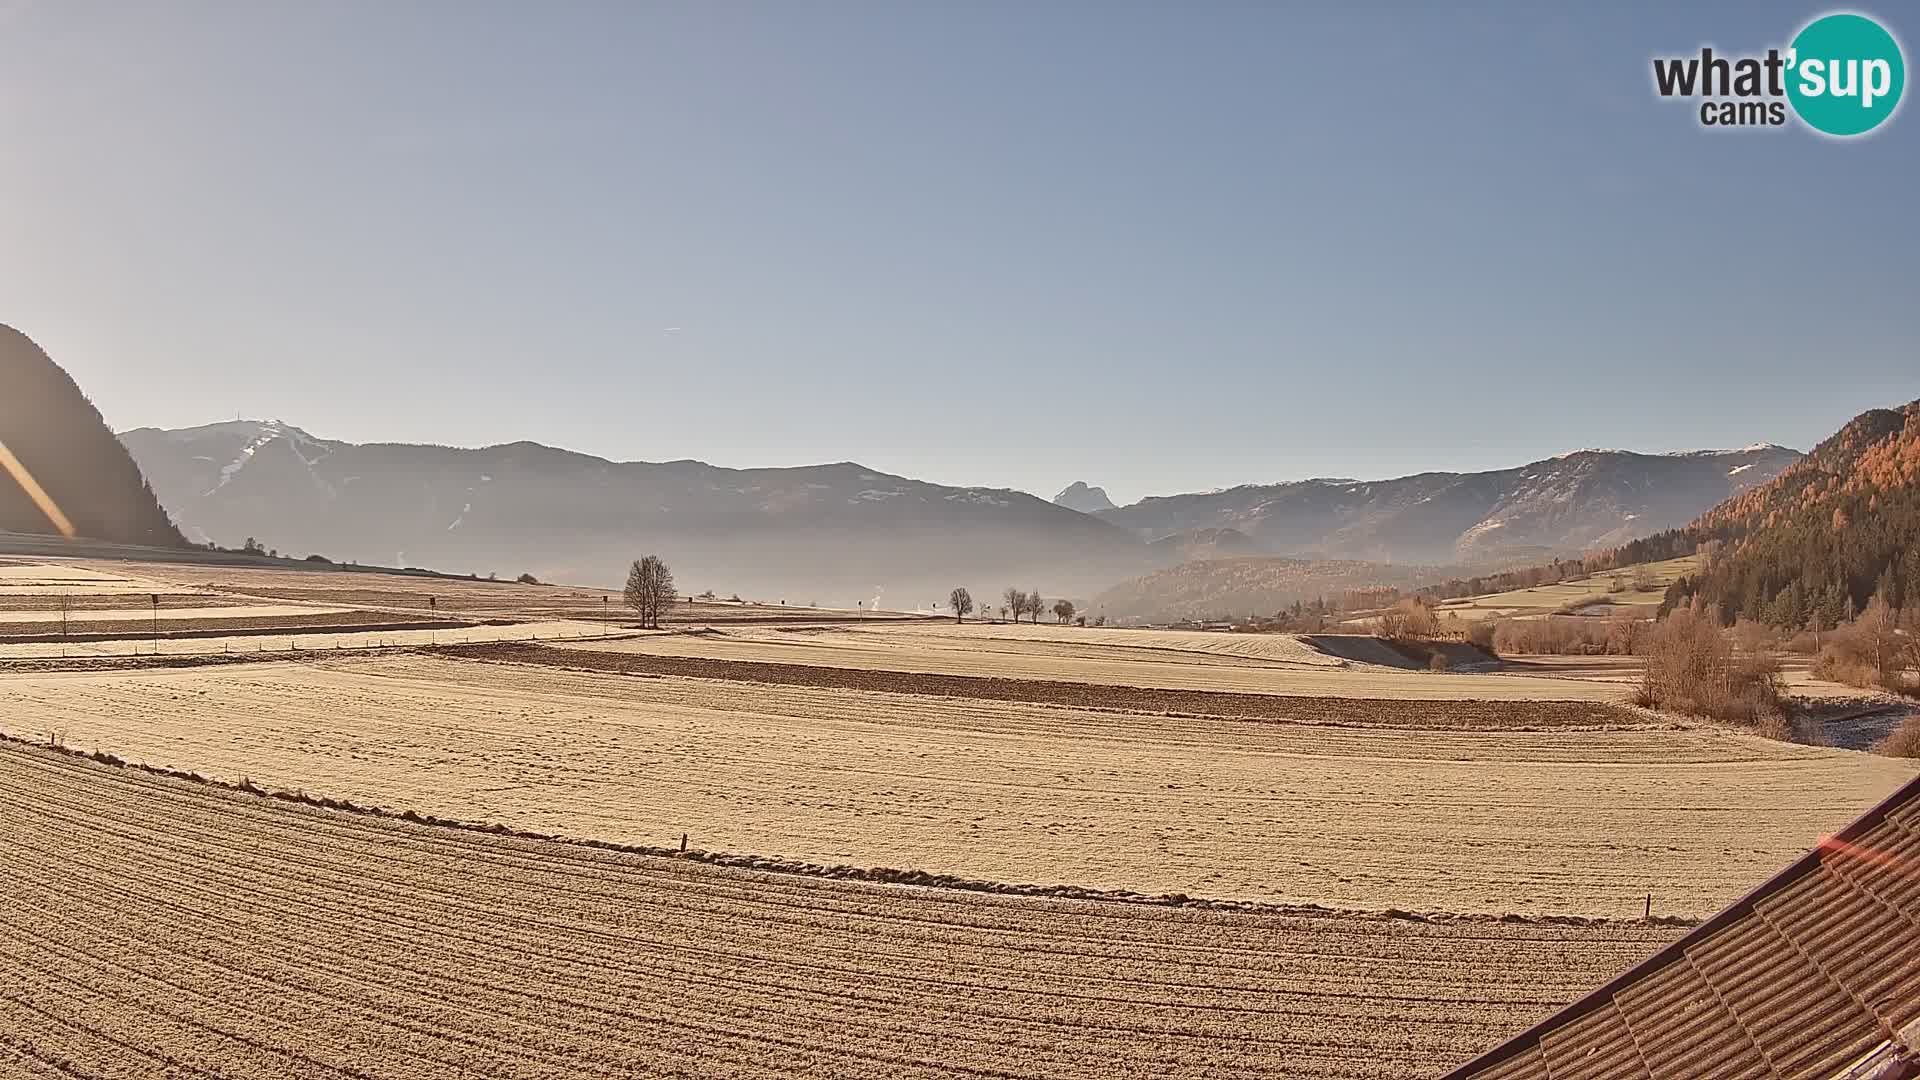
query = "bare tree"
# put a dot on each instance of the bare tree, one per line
(1063, 610)
(962, 602)
(1879, 629)
(1016, 602)
(1035, 605)
(649, 590)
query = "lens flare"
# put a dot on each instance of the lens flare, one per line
(1892, 862)
(35, 492)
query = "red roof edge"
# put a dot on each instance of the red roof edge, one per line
(1799, 868)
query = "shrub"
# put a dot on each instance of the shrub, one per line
(1803, 643)
(1875, 650)
(1904, 741)
(1437, 662)
(1408, 620)
(1692, 668)
(1840, 662)
(527, 579)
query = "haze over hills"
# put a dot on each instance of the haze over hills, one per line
(61, 440)
(1259, 585)
(839, 533)
(843, 532)
(1565, 504)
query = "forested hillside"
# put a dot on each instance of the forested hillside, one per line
(1823, 538)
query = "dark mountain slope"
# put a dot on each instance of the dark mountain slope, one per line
(61, 440)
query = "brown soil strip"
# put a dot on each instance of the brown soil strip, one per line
(339, 622)
(1428, 715)
(196, 660)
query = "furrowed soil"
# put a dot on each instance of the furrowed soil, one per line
(153, 926)
(1449, 817)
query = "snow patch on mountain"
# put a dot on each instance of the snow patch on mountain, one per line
(266, 434)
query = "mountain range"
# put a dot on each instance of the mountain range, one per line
(1560, 505)
(845, 532)
(841, 534)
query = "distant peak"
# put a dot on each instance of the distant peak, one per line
(1087, 500)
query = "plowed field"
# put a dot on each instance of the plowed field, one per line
(151, 926)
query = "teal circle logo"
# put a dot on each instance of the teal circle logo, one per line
(1845, 74)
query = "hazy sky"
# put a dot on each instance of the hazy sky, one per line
(1156, 246)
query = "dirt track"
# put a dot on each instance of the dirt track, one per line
(151, 926)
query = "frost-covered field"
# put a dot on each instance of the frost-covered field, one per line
(154, 926)
(1465, 815)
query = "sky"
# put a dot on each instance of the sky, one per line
(1157, 247)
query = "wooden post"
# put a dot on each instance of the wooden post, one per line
(683, 843)
(1649, 907)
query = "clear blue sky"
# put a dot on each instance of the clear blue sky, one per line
(1156, 246)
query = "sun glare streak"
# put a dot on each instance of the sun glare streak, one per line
(1873, 857)
(35, 492)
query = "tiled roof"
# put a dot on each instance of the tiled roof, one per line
(1815, 974)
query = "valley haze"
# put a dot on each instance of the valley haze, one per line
(845, 534)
